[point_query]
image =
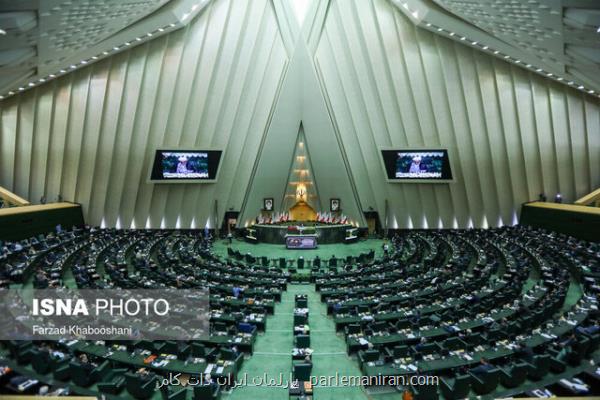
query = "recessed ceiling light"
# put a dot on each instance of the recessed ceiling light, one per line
(2, 32)
(485, 47)
(1, 97)
(31, 84)
(161, 29)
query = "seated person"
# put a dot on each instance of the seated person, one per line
(483, 367)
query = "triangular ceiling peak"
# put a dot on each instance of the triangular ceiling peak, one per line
(301, 181)
(301, 103)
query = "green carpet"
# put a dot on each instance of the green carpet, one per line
(323, 251)
(272, 352)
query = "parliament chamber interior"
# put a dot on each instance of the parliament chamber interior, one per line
(299, 199)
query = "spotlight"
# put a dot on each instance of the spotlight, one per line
(542, 197)
(558, 198)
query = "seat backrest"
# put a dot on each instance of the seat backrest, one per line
(401, 351)
(302, 303)
(371, 355)
(429, 348)
(198, 350)
(353, 328)
(303, 341)
(203, 392)
(542, 362)
(461, 386)
(518, 372)
(227, 354)
(178, 394)
(302, 371)
(491, 378)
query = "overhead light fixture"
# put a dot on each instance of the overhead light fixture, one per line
(2, 31)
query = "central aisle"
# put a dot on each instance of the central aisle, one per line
(272, 352)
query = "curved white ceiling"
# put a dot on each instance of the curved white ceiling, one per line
(49, 38)
(558, 39)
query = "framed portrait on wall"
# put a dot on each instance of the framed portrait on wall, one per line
(334, 205)
(268, 204)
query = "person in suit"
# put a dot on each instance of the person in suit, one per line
(483, 367)
(525, 352)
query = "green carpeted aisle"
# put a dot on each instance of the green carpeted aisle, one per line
(272, 352)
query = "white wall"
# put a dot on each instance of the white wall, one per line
(512, 134)
(90, 135)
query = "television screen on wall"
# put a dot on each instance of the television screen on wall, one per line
(185, 166)
(417, 165)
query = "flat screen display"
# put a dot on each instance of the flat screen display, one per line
(185, 165)
(417, 165)
(301, 242)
